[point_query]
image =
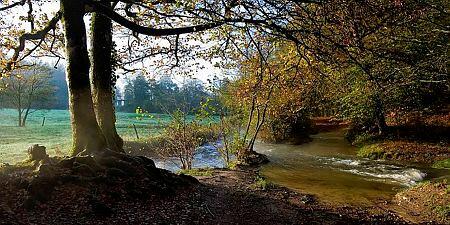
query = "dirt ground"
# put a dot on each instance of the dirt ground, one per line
(426, 202)
(226, 197)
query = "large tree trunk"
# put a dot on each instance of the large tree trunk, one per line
(102, 79)
(86, 133)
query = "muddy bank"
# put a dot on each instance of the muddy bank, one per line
(257, 201)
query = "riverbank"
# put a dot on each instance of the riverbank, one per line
(425, 202)
(406, 151)
(260, 202)
(224, 197)
(421, 139)
(425, 143)
(241, 196)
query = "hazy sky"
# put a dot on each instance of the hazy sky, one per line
(202, 72)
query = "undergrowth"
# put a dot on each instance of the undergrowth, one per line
(203, 172)
(442, 164)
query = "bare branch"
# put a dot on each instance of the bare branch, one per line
(147, 30)
(21, 2)
(38, 35)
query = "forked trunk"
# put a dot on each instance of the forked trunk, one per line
(25, 117)
(86, 133)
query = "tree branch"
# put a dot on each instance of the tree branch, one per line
(21, 2)
(31, 36)
(147, 30)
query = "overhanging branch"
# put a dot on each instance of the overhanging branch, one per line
(38, 35)
(98, 7)
(21, 2)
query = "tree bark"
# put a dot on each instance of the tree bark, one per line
(20, 117)
(102, 79)
(25, 117)
(86, 134)
(380, 117)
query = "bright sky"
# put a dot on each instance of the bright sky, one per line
(204, 71)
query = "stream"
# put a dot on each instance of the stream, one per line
(328, 168)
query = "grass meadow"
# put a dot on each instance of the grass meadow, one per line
(56, 132)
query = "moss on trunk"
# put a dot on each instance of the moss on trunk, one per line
(86, 133)
(102, 79)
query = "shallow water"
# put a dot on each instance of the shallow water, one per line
(207, 157)
(328, 168)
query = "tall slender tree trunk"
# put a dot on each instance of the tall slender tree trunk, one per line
(86, 134)
(102, 79)
(20, 117)
(25, 116)
(380, 117)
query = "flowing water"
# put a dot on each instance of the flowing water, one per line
(328, 168)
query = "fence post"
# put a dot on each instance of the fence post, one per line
(135, 131)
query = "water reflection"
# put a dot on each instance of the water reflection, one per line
(207, 156)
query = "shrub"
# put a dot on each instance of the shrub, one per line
(262, 183)
(228, 131)
(181, 138)
(287, 126)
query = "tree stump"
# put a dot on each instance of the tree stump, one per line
(37, 153)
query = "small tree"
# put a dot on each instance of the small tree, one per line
(27, 90)
(229, 132)
(184, 137)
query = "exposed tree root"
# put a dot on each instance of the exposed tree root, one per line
(137, 174)
(252, 159)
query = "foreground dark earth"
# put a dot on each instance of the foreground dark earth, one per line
(226, 197)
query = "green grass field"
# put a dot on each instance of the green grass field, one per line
(56, 133)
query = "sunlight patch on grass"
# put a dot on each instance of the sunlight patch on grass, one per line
(372, 151)
(56, 133)
(203, 172)
(443, 164)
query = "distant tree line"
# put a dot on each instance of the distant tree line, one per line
(155, 96)
(162, 96)
(61, 100)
